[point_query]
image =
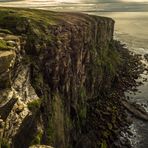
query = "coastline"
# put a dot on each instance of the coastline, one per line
(105, 113)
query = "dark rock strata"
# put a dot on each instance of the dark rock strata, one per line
(59, 71)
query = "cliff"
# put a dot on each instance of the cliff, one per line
(53, 68)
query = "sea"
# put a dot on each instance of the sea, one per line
(131, 28)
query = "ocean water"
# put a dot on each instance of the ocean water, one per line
(131, 27)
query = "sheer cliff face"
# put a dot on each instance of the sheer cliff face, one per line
(51, 67)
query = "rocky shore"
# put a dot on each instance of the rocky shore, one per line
(62, 79)
(114, 108)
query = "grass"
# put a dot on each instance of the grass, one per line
(37, 139)
(11, 18)
(106, 61)
(34, 24)
(3, 44)
(34, 105)
(82, 92)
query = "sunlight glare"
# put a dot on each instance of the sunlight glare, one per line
(67, 1)
(134, 1)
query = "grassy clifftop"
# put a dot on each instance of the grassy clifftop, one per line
(15, 17)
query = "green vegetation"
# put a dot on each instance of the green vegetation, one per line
(22, 17)
(34, 105)
(107, 60)
(38, 79)
(49, 132)
(82, 113)
(49, 128)
(82, 92)
(3, 45)
(35, 24)
(37, 139)
(4, 143)
(103, 144)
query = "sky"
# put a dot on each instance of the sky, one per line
(81, 5)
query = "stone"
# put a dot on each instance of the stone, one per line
(19, 108)
(6, 59)
(1, 123)
(11, 38)
(136, 110)
(146, 57)
(11, 43)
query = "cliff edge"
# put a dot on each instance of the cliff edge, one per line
(56, 73)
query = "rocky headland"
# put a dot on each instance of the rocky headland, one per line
(62, 77)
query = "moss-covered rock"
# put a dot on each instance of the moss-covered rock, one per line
(3, 44)
(34, 105)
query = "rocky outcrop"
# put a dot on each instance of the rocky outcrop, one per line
(7, 59)
(136, 110)
(15, 90)
(54, 67)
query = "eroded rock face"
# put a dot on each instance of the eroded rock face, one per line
(58, 63)
(15, 89)
(7, 59)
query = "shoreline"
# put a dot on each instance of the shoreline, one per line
(139, 112)
(123, 83)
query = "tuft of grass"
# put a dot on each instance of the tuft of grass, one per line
(37, 139)
(3, 44)
(34, 105)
